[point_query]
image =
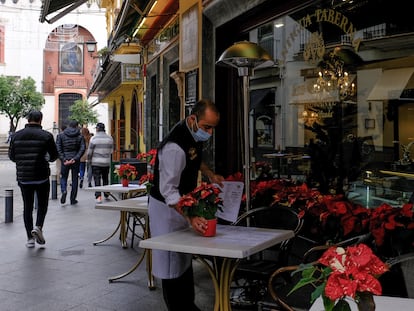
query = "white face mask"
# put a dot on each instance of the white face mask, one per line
(200, 134)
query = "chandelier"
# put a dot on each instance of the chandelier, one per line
(332, 77)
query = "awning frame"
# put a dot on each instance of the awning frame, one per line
(50, 6)
(391, 84)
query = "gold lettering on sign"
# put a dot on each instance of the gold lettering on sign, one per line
(320, 15)
(335, 18)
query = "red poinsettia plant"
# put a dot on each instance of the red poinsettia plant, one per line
(393, 228)
(126, 171)
(343, 272)
(148, 178)
(203, 201)
(149, 156)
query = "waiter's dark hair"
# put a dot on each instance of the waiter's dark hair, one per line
(200, 107)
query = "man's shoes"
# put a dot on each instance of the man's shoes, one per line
(81, 183)
(63, 198)
(30, 243)
(37, 234)
(73, 202)
(98, 200)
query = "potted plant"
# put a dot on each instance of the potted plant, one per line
(342, 274)
(126, 172)
(148, 178)
(203, 201)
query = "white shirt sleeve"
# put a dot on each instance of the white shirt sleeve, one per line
(171, 164)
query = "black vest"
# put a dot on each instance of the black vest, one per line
(193, 154)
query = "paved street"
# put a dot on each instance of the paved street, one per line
(69, 272)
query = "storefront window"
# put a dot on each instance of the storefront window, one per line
(344, 83)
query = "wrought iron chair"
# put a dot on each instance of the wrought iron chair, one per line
(252, 274)
(405, 265)
(281, 281)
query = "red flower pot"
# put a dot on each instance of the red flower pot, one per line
(211, 227)
(124, 182)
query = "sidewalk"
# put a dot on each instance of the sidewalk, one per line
(69, 272)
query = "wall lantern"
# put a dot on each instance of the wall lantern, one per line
(246, 56)
(90, 46)
(49, 69)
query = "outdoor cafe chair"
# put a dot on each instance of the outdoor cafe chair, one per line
(251, 275)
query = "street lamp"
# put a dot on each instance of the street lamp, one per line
(90, 46)
(246, 56)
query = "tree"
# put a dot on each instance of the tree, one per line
(17, 98)
(82, 112)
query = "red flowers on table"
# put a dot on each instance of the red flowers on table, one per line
(126, 171)
(342, 273)
(203, 201)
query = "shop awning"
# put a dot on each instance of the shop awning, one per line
(391, 84)
(53, 6)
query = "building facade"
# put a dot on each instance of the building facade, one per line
(339, 88)
(32, 49)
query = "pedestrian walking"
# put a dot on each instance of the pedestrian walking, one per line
(100, 151)
(32, 148)
(70, 145)
(83, 167)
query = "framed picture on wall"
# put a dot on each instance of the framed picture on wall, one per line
(71, 58)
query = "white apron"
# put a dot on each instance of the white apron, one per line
(164, 219)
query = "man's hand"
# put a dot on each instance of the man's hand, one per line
(199, 224)
(69, 162)
(217, 179)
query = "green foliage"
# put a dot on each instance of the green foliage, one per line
(82, 112)
(18, 97)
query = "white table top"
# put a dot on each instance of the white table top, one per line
(230, 241)
(382, 303)
(118, 188)
(137, 205)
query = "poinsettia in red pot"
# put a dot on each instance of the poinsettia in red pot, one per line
(203, 201)
(126, 172)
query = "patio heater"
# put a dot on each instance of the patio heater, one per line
(246, 56)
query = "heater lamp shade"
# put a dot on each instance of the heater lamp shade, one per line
(245, 54)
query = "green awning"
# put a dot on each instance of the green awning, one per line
(60, 7)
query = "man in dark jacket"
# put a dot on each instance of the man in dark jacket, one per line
(32, 148)
(71, 146)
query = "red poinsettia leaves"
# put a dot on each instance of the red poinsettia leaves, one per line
(354, 269)
(235, 177)
(127, 171)
(407, 210)
(348, 224)
(202, 201)
(339, 286)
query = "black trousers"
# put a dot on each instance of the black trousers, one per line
(100, 173)
(28, 194)
(64, 174)
(179, 293)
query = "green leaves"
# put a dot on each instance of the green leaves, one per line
(82, 112)
(18, 97)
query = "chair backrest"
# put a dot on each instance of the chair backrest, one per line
(281, 283)
(406, 264)
(316, 252)
(282, 280)
(274, 217)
